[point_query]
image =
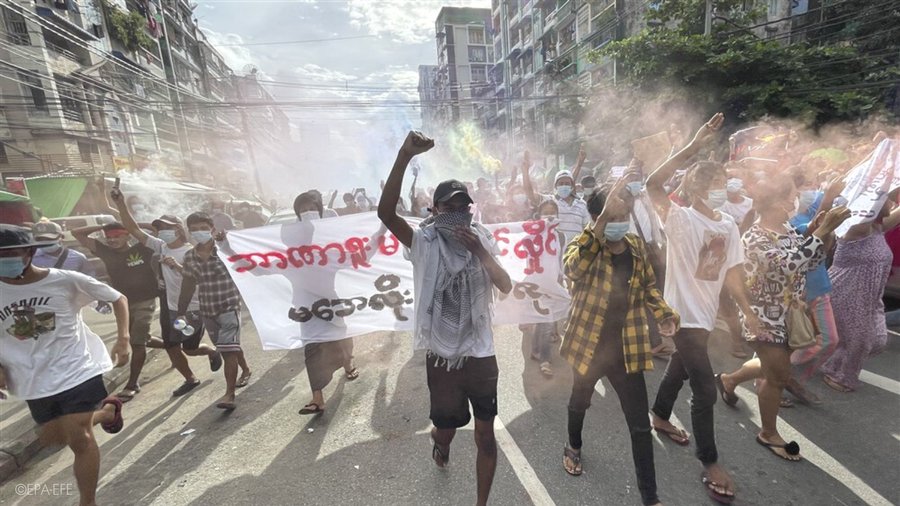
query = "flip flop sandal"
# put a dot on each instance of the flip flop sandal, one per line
(118, 422)
(785, 403)
(834, 385)
(729, 398)
(440, 458)
(792, 449)
(352, 375)
(243, 381)
(575, 457)
(711, 490)
(128, 393)
(311, 409)
(227, 406)
(679, 436)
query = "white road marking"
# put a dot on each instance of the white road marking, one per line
(815, 455)
(524, 471)
(892, 386)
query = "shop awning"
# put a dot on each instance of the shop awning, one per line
(56, 197)
(12, 197)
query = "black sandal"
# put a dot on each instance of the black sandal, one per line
(440, 458)
(729, 398)
(792, 448)
(575, 457)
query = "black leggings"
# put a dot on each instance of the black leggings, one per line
(609, 361)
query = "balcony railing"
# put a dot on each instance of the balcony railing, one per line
(63, 52)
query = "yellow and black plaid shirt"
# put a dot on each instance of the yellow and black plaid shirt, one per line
(588, 264)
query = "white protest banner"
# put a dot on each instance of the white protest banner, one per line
(869, 183)
(341, 277)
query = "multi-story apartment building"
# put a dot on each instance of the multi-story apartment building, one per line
(427, 99)
(465, 56)
(104, 85)
(55, 113)
(542, 63)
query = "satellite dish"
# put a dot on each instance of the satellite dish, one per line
(250, 70)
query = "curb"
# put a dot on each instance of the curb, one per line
(16, 454)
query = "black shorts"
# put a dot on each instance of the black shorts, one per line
(83, 398)
(452, 391)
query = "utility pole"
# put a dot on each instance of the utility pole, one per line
(707, 25)
(245, 128)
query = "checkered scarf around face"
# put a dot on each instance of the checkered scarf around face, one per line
(461, 284)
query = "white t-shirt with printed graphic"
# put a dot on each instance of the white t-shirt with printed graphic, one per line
(700, 252)
(50, 349)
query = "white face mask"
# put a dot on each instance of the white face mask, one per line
(734, 185)
(715, 198)
(201, 236)
(168, 236)
(309, 216)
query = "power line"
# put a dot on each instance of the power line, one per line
(306, 41)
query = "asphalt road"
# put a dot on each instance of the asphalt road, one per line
(371, 447)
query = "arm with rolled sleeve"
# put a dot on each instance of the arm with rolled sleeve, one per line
(580, 254)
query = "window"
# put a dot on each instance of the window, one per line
(4, 160)
(477, 54)
(476, 35)
(86, 149)
(71, 107)
(34, 88)
(479, 73)
(16, 28)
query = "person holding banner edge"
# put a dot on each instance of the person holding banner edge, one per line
(455, 270)
(322, 359)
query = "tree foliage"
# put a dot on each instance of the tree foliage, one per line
(846, 69)
(127, 27)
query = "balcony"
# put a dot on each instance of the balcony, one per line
(62, 52)
(550, 21)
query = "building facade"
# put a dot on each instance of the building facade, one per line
(465, 56)
(85, 92)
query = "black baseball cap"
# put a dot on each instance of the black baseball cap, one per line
(589, 181)
(450, 188)
(14, 236)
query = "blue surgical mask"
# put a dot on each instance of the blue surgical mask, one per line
(564, 191)
(201, 236)
(635, 188)
(12, 267)
(579, 195)
(423, 211)
(615, 231)
(806, 199)
(734, 185)
(715, 198)
(168, 236)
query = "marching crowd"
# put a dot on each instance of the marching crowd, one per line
(653, 259)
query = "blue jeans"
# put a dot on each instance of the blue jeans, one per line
(542, 339)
